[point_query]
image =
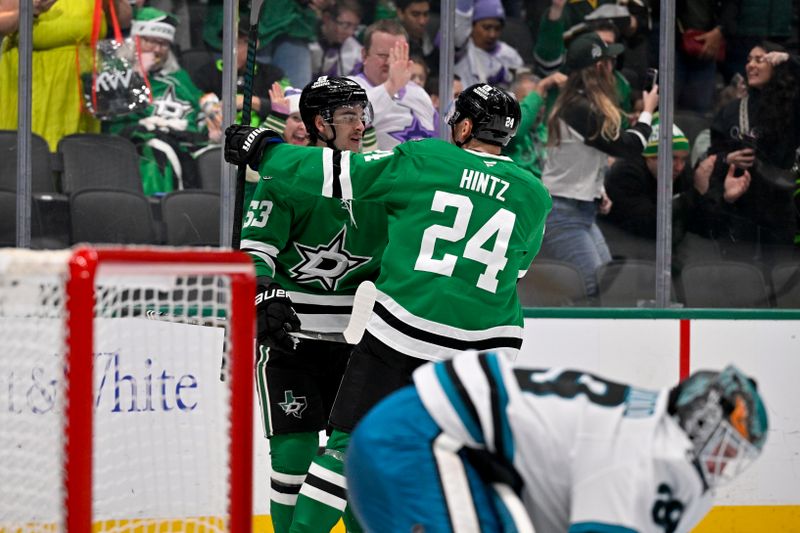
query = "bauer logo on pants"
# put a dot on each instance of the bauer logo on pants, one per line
(293, 405)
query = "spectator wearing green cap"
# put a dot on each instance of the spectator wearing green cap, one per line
(632, 186)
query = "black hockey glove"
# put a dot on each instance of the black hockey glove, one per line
(245, 144)
(275, 317)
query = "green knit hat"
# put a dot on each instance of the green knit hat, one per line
(152, 22)
(679, 141)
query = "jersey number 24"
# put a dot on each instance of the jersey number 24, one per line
(500, 224)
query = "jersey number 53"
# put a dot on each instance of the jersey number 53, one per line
(500, 224)
(258, 214)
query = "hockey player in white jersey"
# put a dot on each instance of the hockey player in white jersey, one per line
(583, 454)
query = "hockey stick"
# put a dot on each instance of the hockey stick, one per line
(363, 302)
(247, 106)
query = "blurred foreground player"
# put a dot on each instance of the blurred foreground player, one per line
(479, 444)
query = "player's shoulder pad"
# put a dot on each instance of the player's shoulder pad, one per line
(424, 146)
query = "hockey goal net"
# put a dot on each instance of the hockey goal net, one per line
(126, 390)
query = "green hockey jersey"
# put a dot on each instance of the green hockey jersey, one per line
(319, 249)
(463, 226)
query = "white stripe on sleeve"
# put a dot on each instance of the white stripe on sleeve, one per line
(344, 176)
(327, 169)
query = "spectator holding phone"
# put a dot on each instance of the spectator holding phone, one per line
(758, 136)
(584, 128)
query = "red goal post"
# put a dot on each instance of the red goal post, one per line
(150, 392)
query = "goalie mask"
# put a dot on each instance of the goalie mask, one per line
(724, 417)
(324, 96)
(495, 115)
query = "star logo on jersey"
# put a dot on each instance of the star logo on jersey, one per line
(326, 264)
(169, 106)
(293, 405)
(413, 131)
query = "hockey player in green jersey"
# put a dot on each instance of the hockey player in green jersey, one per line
(464, 223)
(310, 254)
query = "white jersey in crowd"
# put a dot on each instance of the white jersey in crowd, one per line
(341, 60)
(405, 116)
(497, 67)
(592, 455)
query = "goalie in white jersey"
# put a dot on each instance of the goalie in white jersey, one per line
(480, 444)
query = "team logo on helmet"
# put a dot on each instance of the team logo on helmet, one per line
(322, 81)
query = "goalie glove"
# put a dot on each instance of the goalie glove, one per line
(245, 144)
(275, 317)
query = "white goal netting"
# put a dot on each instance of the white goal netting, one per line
(160, 416)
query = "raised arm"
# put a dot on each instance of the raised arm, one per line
(310, 169)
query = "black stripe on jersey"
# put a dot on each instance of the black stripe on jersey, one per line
(322, 309)
(284, 488)
(337, 173)
(326, 486)
(450, 370)
(441, 340)
(499, 446)
(496, 414)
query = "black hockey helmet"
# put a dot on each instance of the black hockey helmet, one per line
(494, 113)
(325, 95)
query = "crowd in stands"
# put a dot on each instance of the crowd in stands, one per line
(579, 69)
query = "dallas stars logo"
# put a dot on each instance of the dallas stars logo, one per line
(292, 405)
(169, 106)
(326, 263)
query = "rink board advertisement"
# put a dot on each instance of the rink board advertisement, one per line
(160, 406)
(656, 352)
(161, 424)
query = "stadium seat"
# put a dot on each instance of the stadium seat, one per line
(191, 218)
(209, 165)
(8, 218)
(49, 211)
(626, 245)
(43, 178)
(724, 284)
(786, 285)
(94, 160)
(551, 283)
(49, 221)
(627, 283)
(109, 216)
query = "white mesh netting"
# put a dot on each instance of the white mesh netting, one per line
(31, 390)
(161, 459)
